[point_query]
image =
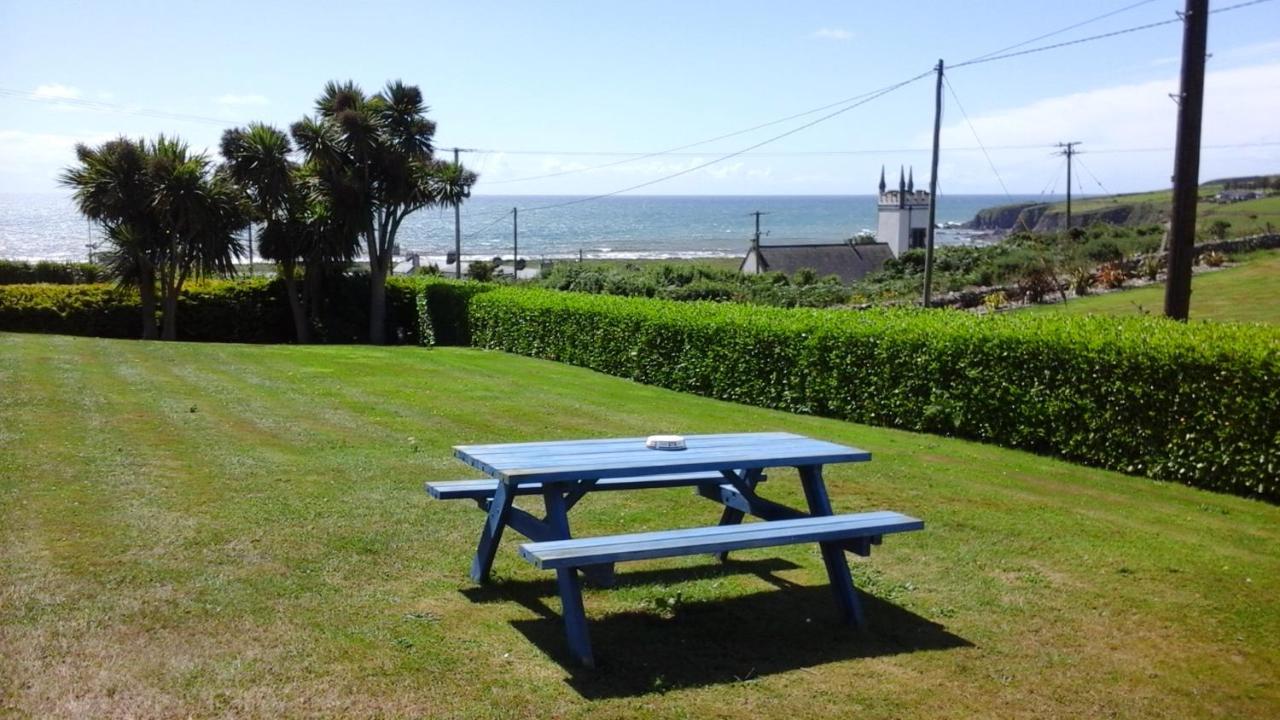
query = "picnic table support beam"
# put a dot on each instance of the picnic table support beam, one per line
(575, 617)
(739, 503)
(531, 527)
(815, 492)
(733, 515)
(499, 510)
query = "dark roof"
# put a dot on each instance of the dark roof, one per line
(849, 262)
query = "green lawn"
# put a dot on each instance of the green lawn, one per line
(1249, 292)
(225, 530)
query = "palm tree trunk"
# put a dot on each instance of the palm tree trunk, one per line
(300, 327)
(313, 291)
(147, 299)
(377, 303)
(379, 260)
(170, 329)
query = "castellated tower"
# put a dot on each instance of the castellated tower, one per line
(903, 214)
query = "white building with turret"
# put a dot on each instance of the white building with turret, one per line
(903, 214)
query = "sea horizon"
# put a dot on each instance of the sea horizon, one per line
(46, 226)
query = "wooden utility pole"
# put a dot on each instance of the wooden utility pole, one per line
(1186, 161)
(755, 239)
(457, 231)
(515, 243)
(933, 190)
(1069, 149)
(250, 249)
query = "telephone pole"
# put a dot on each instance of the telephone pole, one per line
(933, 189)
(1069, 149)
(755, 239)
(1186, 161)
(457, 231)
(515, 243)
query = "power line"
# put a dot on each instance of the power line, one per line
(1102, 36)
(671, 151)
(1055, 46)
(879, 93)
(488, 152)
(1105, 151)
(497, 219)
(1059, 31)
(974, 130)
(1095, 179)
(773, 153)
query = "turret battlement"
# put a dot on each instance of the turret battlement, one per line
(898, 198)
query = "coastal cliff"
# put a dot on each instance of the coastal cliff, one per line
(1050, 217)
(1136, 209)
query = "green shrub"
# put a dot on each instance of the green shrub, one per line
(481, 270)
(448, 303)
(97, 310)
(1197, 404)
(251, 310)
(17, 272)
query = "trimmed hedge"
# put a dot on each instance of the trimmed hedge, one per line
(1197, 404)
(19, 272)
(249, 310)
(96, 310)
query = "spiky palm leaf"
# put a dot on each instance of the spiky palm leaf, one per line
(257, 158)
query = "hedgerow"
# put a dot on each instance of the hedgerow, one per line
(247, 310)
(18, 272)
(1197, 404)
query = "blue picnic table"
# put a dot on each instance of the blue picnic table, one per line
(727, 469)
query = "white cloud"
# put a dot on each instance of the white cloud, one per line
(241, 100)
(724, 171)
(32, 161)
(1241, 105)
(832, 33)
(56, 91)
(1254, 50)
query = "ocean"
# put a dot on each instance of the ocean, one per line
(47, 226)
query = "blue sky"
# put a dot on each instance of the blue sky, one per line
(536, 83)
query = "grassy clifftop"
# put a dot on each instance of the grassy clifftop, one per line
(1132, 209)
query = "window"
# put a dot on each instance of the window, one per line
(917, 238)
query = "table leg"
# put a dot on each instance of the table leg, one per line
(557, 498)
(815, 492)
(730, 516)
(575, 617)
(499, 508)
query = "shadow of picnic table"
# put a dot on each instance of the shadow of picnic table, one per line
(697, 643)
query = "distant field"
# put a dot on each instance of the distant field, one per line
(1247, 218)
(1247, 293)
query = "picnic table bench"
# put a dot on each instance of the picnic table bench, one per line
(725, 468)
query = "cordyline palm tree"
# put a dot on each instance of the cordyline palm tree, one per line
(371, 159)
(201, 213)
(257, 158)
(111, 186)
(168, 215)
